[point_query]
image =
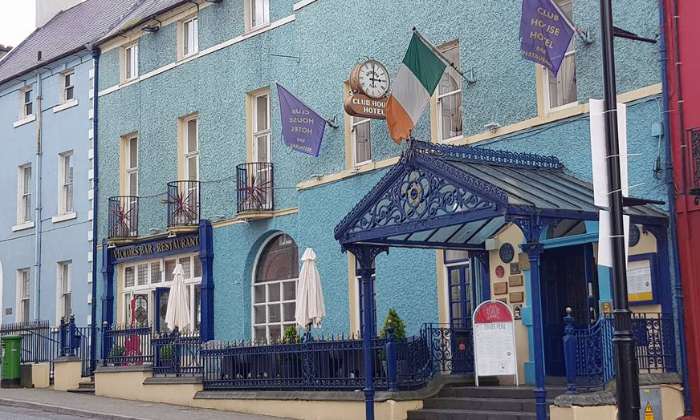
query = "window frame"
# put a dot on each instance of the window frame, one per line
(66, 187)
(149, 287)
(64, 289)
(26, 101)
(453, 44)
(186, 40)
(130, 65)
(24, 194)
(354, 122)
(256, 134)
(23, 291)
(546, 75)
(187, 154)
(127, 168)
(68, 75)
(250, 22)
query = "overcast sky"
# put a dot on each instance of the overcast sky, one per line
(16, 20)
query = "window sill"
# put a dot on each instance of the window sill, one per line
(299, 4)
(127, 82)
(25, 120)
(23, 226)
(65, 105)
(256, 29)
(64, 217)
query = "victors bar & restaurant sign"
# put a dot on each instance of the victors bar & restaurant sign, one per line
(180, 244)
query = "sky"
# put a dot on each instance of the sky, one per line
(16, 20)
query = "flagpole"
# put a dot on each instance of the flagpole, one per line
(440, 55)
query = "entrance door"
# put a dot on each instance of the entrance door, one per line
(161, 307)
(568, 280)
(461, 296)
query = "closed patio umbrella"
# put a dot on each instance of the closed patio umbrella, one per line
(178, 312)
(310, 308)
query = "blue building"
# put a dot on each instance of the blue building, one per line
(193, 169)
(46, 104)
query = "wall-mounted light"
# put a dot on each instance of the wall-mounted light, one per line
(152, 27)
(470, 77)
(585, 35)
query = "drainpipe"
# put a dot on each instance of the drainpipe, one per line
(95, 201)
(673, 222)
(37, 208)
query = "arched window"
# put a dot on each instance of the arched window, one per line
(274, 289)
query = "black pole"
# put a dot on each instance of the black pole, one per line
(627, 378)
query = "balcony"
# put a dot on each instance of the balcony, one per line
(123, 218)
(254, 189)
(184, 205)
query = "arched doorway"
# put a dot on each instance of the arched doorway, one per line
(274, 289)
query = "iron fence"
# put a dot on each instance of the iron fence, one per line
(451, 348)
(175, 354)
(123, 219)
(254, 187)
(588, 351)
(183, 203)
(126, 346)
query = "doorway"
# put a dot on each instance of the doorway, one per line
(569, 279)
(461, 298)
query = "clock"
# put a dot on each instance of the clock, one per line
(370, 78)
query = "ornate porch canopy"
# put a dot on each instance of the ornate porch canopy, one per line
(441, 196)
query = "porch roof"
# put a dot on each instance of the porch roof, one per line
(441, 196)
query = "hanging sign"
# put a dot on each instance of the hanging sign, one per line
(302, 127)
(369, 84)
(545, 33)
(494, 341)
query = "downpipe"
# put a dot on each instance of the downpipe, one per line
(37, 199)
(95, 201)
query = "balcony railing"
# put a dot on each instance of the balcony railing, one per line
(123, 217)
(183, 203)
(254, 187)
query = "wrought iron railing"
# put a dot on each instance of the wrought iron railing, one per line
(123, 220)
(588, 351)
(175, 354)
(254, 187)
(126, 346)
(451, 348)
(184, 203)
(335, 364)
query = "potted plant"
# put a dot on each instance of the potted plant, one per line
(394, 328)
(117, 353)
(290, 335)
(291, 361)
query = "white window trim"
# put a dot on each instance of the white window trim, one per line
(149, 287)
(20, 316)
(22, 111)
(249, 27)
(135, 62)
(64, 88)
(254, 123)
(23, 121)
(23, 226)
(21, 188)
(128, 169)
(62, 210)
(66, 105)
(187, 154)
(353, 139)
(439, 113)
(545, 88)
(183, 38)
(64, 217)
(59, 291)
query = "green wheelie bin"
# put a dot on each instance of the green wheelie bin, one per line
(11, 352)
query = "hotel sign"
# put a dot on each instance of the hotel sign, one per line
(369, 90)
(179, 244)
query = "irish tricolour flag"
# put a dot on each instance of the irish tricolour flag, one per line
(418, 76)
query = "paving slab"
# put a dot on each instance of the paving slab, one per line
(90, 406)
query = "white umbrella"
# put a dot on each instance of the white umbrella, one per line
(178, 313)
(309, 307)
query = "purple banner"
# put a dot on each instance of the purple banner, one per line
(302, 128)
(544, 34)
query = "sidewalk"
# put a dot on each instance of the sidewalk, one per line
(90, 406)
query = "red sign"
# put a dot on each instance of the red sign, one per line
(493, 311)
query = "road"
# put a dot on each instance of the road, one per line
(20, 413)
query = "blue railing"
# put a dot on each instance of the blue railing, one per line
(451, 349)
(126, 346)
(335, 364)
(588, 351)
(175, 354)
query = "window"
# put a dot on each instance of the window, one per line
(65, 173)
(258, 13)
(63, 291)
(131, 62)
(23, 292)
(191, 148)
(131, 166)
(68, 88)
(145, 285)
(190, 35)
(24, 194)
(449, 96)
(274, 289)
(361, 141)
(27, 103)
(560, 90)
(261, 127)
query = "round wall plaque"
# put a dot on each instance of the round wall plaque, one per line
(506, 252)
(635, 235)
(500, 271)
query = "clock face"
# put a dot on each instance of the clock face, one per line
(373, 79)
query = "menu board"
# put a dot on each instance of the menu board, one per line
(639, 288)
(494, 340)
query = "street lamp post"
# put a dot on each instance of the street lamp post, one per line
(627, 378)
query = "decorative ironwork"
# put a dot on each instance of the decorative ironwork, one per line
(483, 155)
(126, 346)
(175, 354)
(183, 203)
(123, 217)
(254, 187)
(451, 349)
